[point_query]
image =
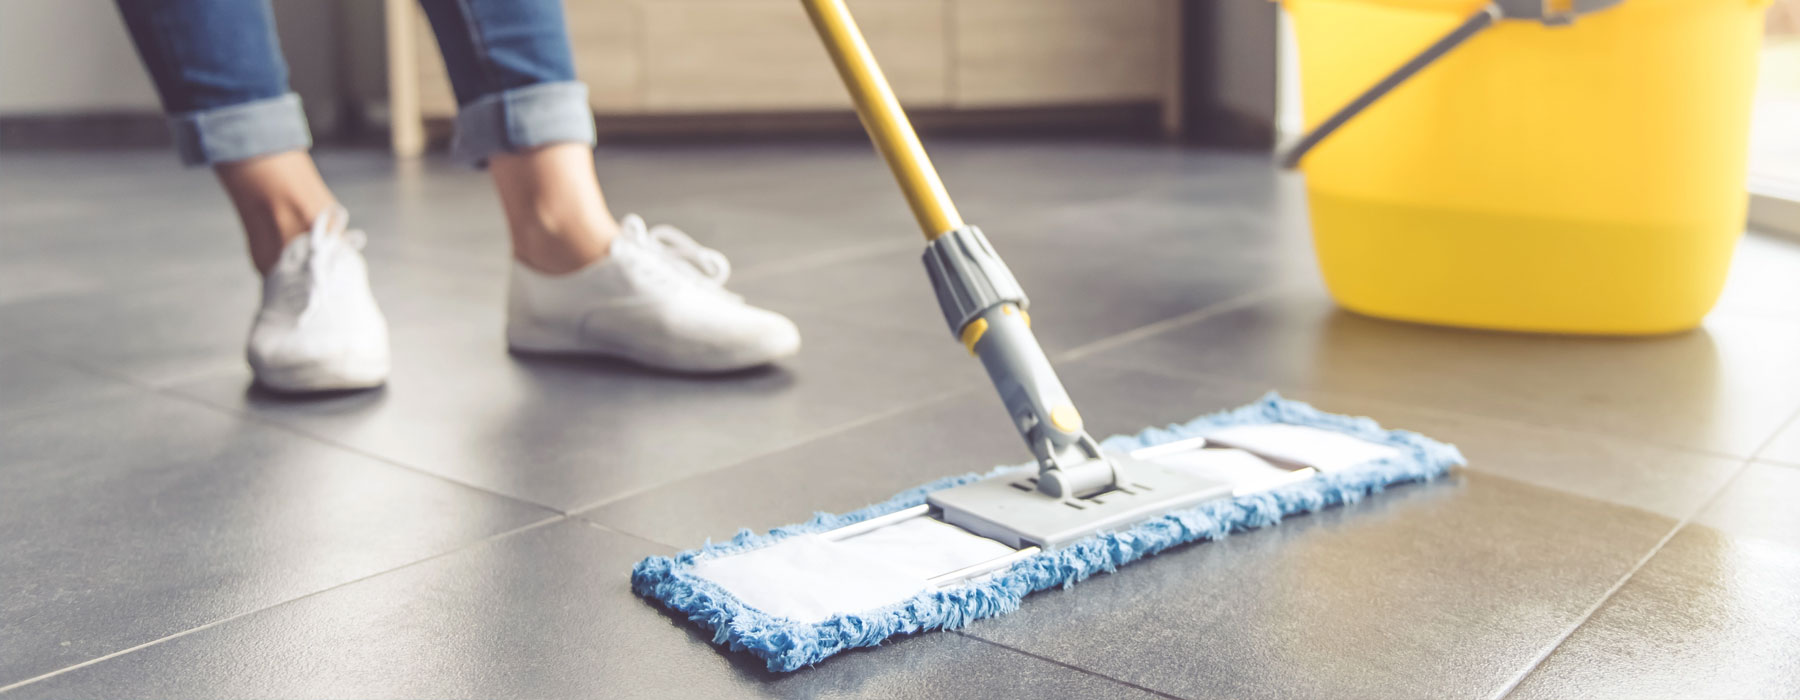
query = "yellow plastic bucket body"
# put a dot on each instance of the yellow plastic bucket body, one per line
(1587, 178)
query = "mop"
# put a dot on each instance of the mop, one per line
(968, 547)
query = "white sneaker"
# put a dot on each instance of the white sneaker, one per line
(319, 328)
(658, 299)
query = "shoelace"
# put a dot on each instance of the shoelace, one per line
(326, 242)
(708, 265)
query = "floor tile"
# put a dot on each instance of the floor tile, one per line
(1725, 388)
(769, 205)
(83, 247)
(567, 433)
(138, 514)
(155, 334)
(46, 186)
(24, 279)
(1759, 503)
(843, 472)
(1710, 616)
(1785, 447)
(543, 613)
(987, 179)
(77, 223)
(994, 183)
(1762, 281)
(762, 205)
(31, 383)
(1091, 271)
(1446, 590)
(178, 330)
(1546, 579)
(129, 520)
(1667, 481)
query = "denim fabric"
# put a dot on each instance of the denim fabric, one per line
(241, 131)
(207, 54)
(218, 69)
(491, 46)
(521, 118)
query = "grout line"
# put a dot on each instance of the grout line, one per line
(84, 367)
(633, 535)
(824, 258)
(1793, 421)
(194, 375)
(114, 385)
(168, 392)
(298, 432)
(229, 618)
(580, 511)
(616, 531)
(1168, 324)
(1071, 667)
(1606, 597)
(1782, 464)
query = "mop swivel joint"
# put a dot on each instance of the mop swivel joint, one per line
(986, 309)
(969, 278)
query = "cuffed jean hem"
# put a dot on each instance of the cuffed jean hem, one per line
(520, 118)
(241, 131)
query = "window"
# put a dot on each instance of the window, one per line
(1775, 130)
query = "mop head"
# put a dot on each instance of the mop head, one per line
(787, 640)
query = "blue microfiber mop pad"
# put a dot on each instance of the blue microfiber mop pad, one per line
(787, 645)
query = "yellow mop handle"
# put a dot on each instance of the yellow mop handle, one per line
(883, 119)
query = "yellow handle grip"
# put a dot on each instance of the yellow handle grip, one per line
(883, 119)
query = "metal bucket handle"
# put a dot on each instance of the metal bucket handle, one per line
(1549, 12)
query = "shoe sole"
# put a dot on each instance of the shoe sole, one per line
(723, 367)
(312, 380)
(533, 342)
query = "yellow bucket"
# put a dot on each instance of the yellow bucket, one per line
(1586, 178)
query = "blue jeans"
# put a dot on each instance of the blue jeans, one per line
(218, 70)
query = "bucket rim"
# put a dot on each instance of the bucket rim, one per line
(1459, 7)
(1456, 7)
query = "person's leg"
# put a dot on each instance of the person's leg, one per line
(582, 283)
(554, 211)
(277, 197)
(218, 69)
(522, 113)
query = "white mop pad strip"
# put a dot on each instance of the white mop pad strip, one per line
(793, 598)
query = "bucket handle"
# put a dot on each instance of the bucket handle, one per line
(1548, 12)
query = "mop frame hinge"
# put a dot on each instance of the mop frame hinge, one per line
(1075, 471)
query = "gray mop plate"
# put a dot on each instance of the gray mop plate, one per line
(1009, 508)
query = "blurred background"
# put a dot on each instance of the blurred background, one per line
(1775, 133)
(701, 67)
(1218, 73)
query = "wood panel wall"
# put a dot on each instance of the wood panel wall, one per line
(753, 56)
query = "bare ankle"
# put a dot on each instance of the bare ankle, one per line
(554, 210)
(276, 198)
(561, 251)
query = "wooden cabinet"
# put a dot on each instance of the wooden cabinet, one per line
(1030, 52)
(751, 55)
(761, 56)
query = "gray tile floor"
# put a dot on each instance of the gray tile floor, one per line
(1625, 528)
